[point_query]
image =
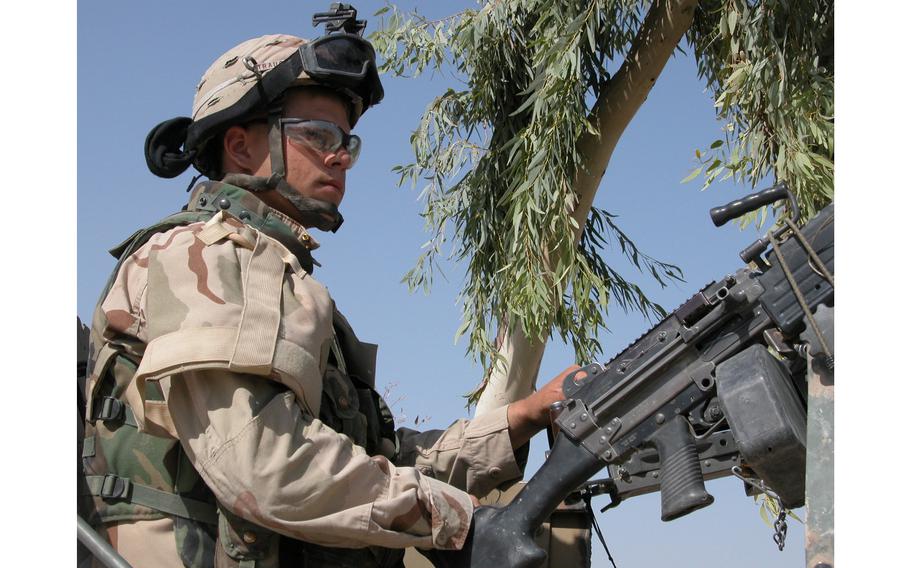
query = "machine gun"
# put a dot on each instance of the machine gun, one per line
(716, 388)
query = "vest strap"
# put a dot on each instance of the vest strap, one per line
(108, 408)
(115, 487)
(88, 447)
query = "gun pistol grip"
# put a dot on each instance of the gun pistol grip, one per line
(682, 486)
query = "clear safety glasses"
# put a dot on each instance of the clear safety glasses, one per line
(322, 136)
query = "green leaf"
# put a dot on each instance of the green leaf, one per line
(763, 513)
(465, 324)
(498, 164)
(736, 76)
(692, 175)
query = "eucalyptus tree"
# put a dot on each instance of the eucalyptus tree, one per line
(511, 162)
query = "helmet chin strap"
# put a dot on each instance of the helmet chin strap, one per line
(313, 212)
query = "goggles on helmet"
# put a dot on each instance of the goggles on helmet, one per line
(339, 60)
(346, 60)
(322, 136)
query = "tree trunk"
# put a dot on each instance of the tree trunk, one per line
(664, 26)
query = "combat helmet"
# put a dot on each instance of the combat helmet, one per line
(249, 81)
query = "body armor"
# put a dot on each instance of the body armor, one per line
(129, 475)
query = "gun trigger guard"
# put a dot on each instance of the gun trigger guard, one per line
(594, 489)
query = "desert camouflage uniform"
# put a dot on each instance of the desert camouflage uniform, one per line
(221, 371)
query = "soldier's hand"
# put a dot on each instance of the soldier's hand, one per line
(530, 415)
(494, 541)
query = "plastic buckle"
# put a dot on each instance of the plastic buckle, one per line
(114, 487)
(111, 409)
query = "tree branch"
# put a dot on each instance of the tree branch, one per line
(661, 31)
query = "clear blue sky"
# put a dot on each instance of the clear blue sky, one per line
(138, 63)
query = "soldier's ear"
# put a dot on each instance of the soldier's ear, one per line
(244, 149)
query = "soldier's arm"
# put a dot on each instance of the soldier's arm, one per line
(481, 454)
(473, 455)
(269, 462)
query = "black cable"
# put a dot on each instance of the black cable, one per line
(193, 182)
(587, 500)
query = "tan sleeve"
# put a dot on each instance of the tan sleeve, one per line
(272, 464)
(474, 455)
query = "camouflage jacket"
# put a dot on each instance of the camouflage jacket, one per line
(228, 340)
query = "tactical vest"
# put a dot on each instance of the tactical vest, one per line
(131, 476)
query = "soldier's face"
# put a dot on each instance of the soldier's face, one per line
(314, 174)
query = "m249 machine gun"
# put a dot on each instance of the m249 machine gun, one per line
(717, 388)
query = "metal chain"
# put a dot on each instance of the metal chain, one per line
(780, 524)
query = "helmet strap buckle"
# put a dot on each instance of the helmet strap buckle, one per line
(276, 145)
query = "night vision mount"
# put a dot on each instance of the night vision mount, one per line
(340, 17)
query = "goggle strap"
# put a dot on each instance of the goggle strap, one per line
(276, 145)
(268, 89)
(251, 64)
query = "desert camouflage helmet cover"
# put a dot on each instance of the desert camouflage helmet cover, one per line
(238, 70)
(249, 79)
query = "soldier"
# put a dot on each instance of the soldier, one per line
(231, 417)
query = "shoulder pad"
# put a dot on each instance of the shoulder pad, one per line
(140, 237)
